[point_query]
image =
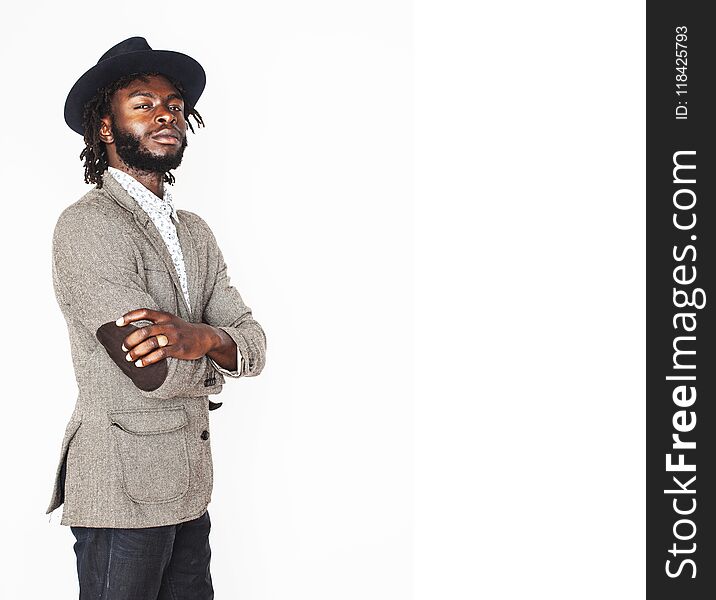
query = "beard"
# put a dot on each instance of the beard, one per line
(130, 151)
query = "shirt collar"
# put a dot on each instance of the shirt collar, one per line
(143, 196)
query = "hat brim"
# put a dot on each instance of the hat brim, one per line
(175, 65)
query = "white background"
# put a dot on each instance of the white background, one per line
(453, 401)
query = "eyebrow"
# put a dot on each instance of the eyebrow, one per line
(171, 96)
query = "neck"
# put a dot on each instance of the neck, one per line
(154, 182)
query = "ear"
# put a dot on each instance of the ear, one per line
(105, 130)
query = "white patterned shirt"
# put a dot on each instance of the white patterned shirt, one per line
(160, 211)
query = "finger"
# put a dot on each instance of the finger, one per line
(152, 357)
(140, 314)
(147, 346)
(144, 333)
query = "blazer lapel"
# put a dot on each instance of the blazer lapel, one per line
(147, 227)
(191, 264)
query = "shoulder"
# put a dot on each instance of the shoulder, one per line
(198, 226)
(96, 203)
(94, 214)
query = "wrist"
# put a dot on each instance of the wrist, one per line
(213, 338)
(224, 352)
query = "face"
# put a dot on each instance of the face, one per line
(146, 129)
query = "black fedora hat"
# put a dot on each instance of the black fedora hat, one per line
(133, 55)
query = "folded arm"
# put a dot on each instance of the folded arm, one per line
(226, 310)
(95, 274)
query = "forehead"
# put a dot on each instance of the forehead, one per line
(152, 85)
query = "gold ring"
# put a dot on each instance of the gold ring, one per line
(162, 340)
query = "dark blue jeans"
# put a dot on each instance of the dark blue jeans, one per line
(151, 563)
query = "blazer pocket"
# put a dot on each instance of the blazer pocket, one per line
(153, 454)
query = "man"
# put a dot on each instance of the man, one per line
(154, 326)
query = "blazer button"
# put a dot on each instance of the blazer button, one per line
(205, 435)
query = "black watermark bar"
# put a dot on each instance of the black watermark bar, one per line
(681, 330)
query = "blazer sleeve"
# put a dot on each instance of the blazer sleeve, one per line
(226, 310)
(95, 276)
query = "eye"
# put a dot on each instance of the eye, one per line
(142, 106)
(175, 106)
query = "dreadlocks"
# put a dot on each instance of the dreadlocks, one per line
(95, 153)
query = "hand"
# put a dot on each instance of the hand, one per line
(168, 335)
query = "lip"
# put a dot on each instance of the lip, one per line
(166, 137)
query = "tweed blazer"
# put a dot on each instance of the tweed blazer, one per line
(131, 457)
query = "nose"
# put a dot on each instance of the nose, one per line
(164, 115)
